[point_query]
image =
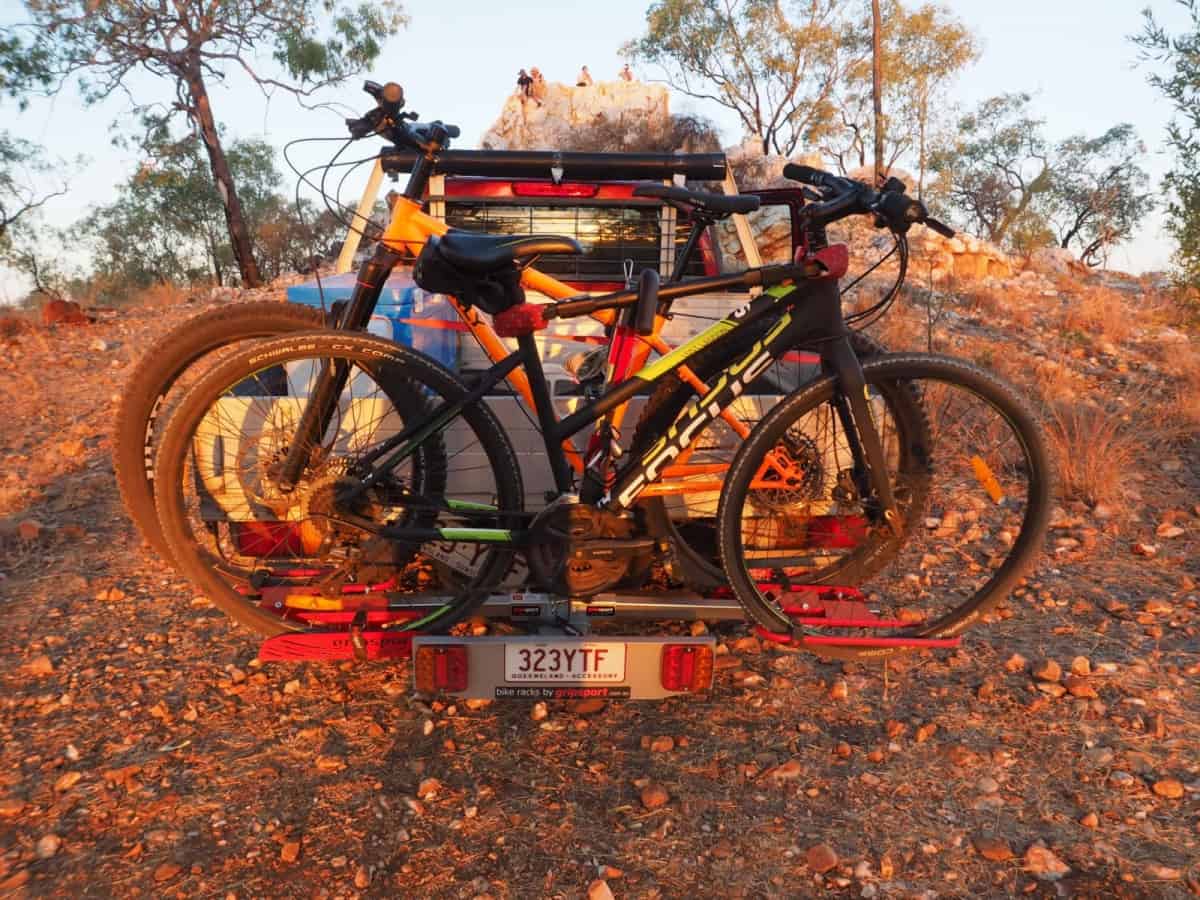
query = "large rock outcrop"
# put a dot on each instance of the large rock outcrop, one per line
(554, 119)
(548, 123)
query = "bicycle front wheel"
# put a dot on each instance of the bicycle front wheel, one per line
(405, 473)
(977, 461)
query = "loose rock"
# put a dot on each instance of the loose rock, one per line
(993, 848)
(1041, 863)
(40, 665)
(1016, 663)
(1048, 670)
(821, 858)
(428, 788)
(655, 796)
(47, 846)
(1080, 687)
(1169, 788)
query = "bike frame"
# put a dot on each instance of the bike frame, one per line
(820, 319)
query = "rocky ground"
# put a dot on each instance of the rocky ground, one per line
(144, 751)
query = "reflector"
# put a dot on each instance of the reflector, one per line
(686, 667)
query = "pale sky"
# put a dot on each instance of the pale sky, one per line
(458, 62)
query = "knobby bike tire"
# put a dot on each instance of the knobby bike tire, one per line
(897, 369)
(696, 560)
(141, 409)
(391, 364)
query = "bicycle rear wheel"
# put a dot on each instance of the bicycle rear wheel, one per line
(167, 369)
(323, 545)
(984, 475)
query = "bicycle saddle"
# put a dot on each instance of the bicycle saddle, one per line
(480, 254)
(716, 205)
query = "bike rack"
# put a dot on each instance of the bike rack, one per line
(362, 632)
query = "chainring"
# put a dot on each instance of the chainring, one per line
(558, 553)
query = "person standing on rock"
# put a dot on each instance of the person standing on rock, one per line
(584, 79)
(524, 85)
(626, 73)
(538, 88)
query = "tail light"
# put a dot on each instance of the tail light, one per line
(550, 189)
(687, 667)
(440, 667)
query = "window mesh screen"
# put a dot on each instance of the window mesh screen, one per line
(609, 235)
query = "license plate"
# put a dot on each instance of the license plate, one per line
(587, 662)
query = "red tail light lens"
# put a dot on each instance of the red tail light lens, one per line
(550, 189)
(440, 667)
(687, 667)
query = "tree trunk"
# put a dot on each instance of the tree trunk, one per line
(922, 118)
(877, 85)
(1036, 187)
(213, 251)
(239, 234)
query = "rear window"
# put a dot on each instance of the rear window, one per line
(609, 234)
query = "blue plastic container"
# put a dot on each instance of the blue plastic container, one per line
(405, 313)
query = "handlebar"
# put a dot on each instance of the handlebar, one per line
(891, 206)
(388, 121)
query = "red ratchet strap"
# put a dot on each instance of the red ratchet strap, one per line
(835, 259)
(525, 318)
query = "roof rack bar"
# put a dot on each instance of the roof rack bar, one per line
(575, 165)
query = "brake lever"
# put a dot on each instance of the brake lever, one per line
(364, 126)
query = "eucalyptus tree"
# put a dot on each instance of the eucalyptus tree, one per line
(292, 46)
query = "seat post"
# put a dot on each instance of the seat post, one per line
(700, 224)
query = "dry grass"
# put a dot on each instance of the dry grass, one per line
(1099, 313)
(159, 295)
(1179, 417)
(1094, 449)
(902, 328)
(1012, 303)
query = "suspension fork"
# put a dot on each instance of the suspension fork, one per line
(331, 380)
(859, 424)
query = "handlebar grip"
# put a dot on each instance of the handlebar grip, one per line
(647, 302)
(806, 175)
(944, 230)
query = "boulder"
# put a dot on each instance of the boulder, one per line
(1054, 261)
(547, 123)
(63, 312)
